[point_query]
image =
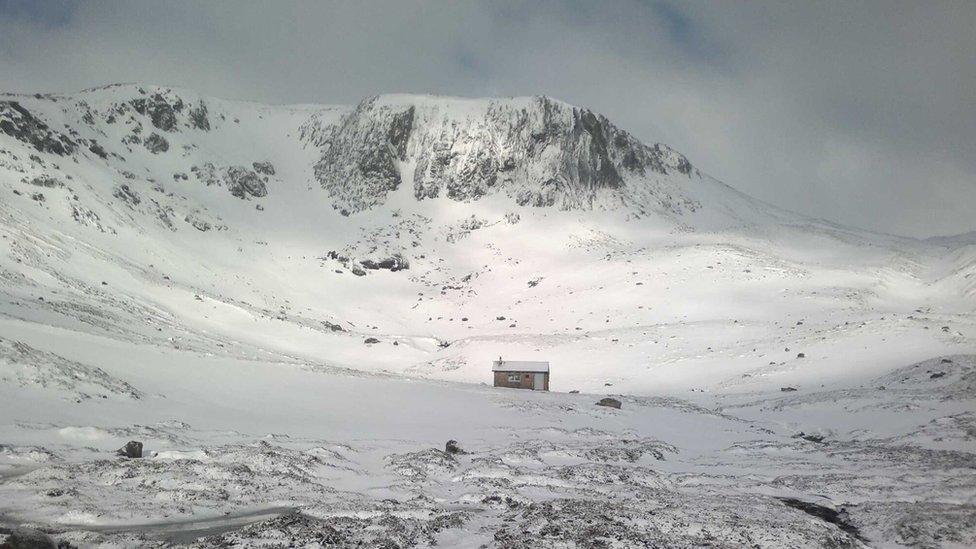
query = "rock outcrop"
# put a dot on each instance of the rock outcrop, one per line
(239, 180)
(538, 151)
(19, 123)
(243, 182)
(131, 450)
(156, 143)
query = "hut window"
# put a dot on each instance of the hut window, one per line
(513, 377)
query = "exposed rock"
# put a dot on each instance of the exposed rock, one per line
(333, 326)
(538, 151)
(209, 174)
(156, 143)
(19, 123)
(160, 111)
(610, 402)
(809, 437)
(452, 447)
(46, 181)
(787, 389)
(199, 118)
(826, 514)
(359, 168)
(132, 450)
(371, 340)
(27, 538)
(266, 168)
(97, 150)
(395, 263)
(243, 182)
(198, 224)
(127, 195)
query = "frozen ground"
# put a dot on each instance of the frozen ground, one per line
(295, 372)
(256, 453)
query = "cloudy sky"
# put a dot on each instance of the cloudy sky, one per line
(858, 112)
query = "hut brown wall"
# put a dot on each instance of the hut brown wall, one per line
(526, 380)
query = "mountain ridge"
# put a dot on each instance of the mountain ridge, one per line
(572, 176)
(222, 221)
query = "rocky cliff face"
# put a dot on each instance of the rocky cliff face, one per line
(20, 124)
(537, 151)
(165, 145)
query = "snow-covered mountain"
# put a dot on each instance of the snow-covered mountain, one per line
(536, 151)
(170, 259)
(459, 229)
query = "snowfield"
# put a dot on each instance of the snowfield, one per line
(294, 308)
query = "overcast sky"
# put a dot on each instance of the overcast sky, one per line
(860, 112)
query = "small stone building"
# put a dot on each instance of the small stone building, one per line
(521, 374)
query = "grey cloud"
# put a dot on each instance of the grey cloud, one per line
(861, 112)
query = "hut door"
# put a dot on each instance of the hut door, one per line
(540, 382)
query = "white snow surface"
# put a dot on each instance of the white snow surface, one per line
(294, 370)
(519, 366)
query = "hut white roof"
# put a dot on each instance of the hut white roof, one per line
(519, 366)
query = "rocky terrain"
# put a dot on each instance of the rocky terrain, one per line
(294, 308)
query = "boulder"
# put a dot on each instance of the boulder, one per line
(787, 389)
(371, 340)
(333, 326)
(609, 402)
(132, 450)
(452, 447)
(394, 263)
(809, 437)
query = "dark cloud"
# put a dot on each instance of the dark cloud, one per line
(859, 112)
(45, 13)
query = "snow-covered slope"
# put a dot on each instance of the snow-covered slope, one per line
(169, 259)
(456, 229)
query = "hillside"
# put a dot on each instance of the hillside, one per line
(163, 216)
(315, 293)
